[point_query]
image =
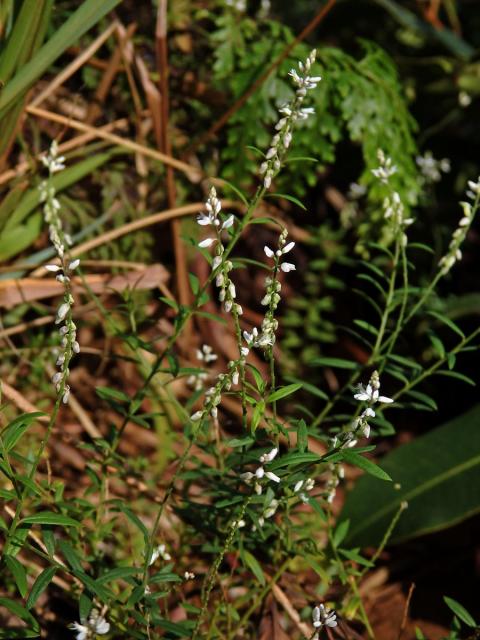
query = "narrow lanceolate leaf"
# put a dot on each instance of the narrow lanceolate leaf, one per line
(252, 563)
(48, 517)
(337, 363)
(15, 430)
(460, 611)
(19, 574)
(352, 457)
(283, 392)
(40, 584)
(438, 475)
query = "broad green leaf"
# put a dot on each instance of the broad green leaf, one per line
(40, 584)
(437, 474)
(48, 517)
(252, 563)
(19, 573)
(460, 611)
(283, 392)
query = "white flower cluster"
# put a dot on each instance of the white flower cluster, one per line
(323, 617)
(95, 625)
(63, 271)
(371, 395)
(290, 114)
(302, 486)
(266, 337)
(358, 428)
(220, 266)
(206, 355)
(431, 168)
(257, 476)
(160, 552)
(454, 252)
(269, 510)
(213, 395)
(238, 5)
(395, 214)
(337, 473)
(386, 169)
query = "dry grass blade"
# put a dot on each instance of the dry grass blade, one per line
(192, 173)
(74, 65)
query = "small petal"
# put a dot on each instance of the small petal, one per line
(272, 476)
(287, 266)
(206, 243)
(268, 252)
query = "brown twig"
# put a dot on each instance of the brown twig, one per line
(220, 123)
(161, 47)
(79, 61)
(405, 611)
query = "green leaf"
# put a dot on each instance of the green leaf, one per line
(437, 474)
(239, 193)
(252, 563)
(302, 436)
(460, 611)
(107, 393)
(85, 17)
(338, 363)
(365, 464)
(446, 321)
(283, 392)
(19, 573)
(340, 533)
(457, 375)
(48, 517)
(70, 555)
(40, 584)
(21, 613)
(119, 573)
(15, 430)
(286, 196)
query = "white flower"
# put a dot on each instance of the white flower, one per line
(96, 624)
(268, 252)
(52, 267)
(323, 617)
(62, 312)
(288, 247)
(159, 551)
(74, 264)
(268, 457)
(260, 472)
(228, 222)
(81, 629)
(206, 243)
(369, 394)
(287, 266)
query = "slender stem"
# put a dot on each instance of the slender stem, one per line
(212, 574)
